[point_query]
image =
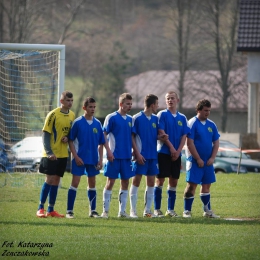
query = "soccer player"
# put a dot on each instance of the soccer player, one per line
(144, 140)
(202, 147)
(174, 124)
(55, 153)
(86, 141)
(118, 131)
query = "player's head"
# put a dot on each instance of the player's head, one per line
(66, 100)
(125, 103)
(171, 99)
(171, 92)
(149, 100)
(202, 103)
(66, 94)
(88, 100)
(203, 109)
(123, 97)
(89, 105)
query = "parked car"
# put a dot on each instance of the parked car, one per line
(7, 158)
(227, 161)
(28, 153)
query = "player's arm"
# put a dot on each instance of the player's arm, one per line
(110, 155)
(78, 160)
(100, 154)
(178, 151)
(214, 152)
(46, 139)
(194, 153)
(167, 142)
(139, 158)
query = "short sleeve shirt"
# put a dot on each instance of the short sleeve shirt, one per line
(119, 133)
(203, 134)
(146, 131)
(86, 138)
(175, 126)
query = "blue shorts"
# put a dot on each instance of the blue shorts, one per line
(199, 175)
(150, 167)
(119, 168)
(86, 169)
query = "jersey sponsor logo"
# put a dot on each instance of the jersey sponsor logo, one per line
(50, 119)
(210, 129)
(130, 124)
(65, 129)
(154, 125)
(95, 131)
(179, 123)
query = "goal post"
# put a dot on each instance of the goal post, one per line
(32, 79)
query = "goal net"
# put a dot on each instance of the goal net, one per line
(31, 81)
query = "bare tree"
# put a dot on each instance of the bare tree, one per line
(19, 19)
(183, 17)
(221, 18)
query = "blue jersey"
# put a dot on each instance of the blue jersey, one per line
(174, 126)
(203, 134)
(119, 133)
(86, 138)
(146, 131)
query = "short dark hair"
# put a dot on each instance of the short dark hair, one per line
(67, 94)
(88, 100)
(202, 103)
(150, 99)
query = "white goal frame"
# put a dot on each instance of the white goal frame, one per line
(42, 47)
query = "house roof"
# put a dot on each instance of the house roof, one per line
(249, 26)
(198, 85)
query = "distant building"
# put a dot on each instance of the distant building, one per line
(248, 41)
(198, 85)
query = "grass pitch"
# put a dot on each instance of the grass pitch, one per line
(233, 197)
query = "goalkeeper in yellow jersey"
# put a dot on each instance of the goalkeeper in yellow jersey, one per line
(55, 154)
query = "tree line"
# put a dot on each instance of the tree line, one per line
(108, 41)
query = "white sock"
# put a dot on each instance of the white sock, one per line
(123, 194)
(106, 199)
(133, 197)
(148, 198)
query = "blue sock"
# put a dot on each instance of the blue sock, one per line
(52, 197)
(92, 196)
(171, 199)
(157, 197)
(72, 192)
(205, 198)
(188, 203)
(44, 194)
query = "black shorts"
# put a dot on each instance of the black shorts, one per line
(56, 167)
(167, 167)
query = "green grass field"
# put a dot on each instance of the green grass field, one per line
(233, 196)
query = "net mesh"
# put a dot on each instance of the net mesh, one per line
(28, 91)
